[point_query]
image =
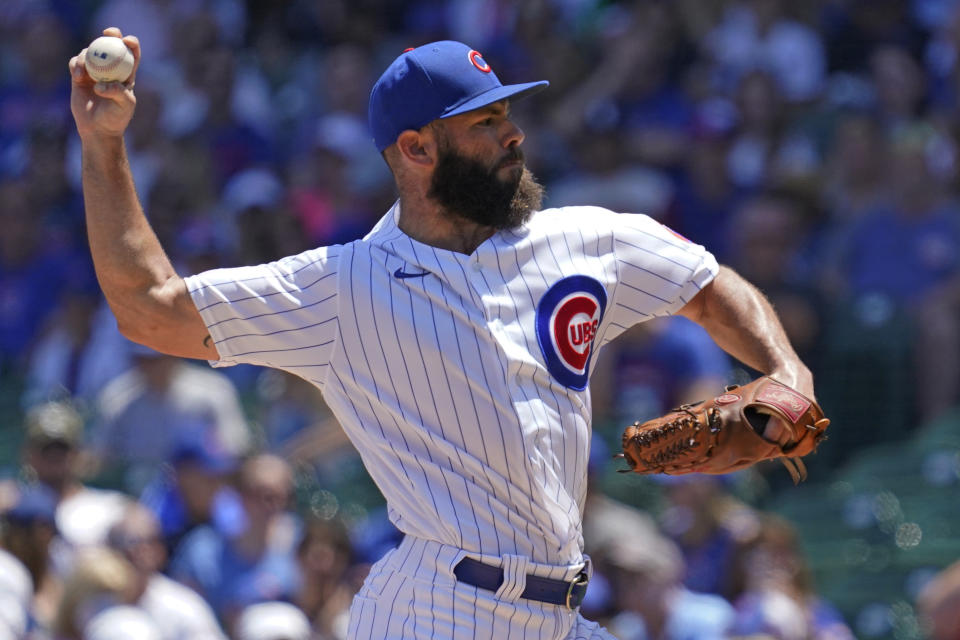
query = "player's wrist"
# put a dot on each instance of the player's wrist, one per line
(97, 141)
(795, 375)
(103, 151)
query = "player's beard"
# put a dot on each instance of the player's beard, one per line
(467, 188)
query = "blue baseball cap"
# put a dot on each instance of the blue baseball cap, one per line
(437, 80)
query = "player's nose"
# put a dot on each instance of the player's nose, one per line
(513, 135)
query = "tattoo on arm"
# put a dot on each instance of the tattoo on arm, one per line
(206, 341)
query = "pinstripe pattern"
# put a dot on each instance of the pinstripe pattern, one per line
(441, 383)
(412, 594)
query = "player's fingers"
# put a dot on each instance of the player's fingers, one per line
(133, 43)
(78, 68)
(115, 91)
(778, 431)
(113, 31)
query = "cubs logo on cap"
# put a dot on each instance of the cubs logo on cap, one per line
(477, 60)
(567, 320)
(436, 80)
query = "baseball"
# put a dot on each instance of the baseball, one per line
(109, 60)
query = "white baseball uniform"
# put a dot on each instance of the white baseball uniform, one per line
(462, 381)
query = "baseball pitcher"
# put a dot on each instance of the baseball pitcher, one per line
(454, 342)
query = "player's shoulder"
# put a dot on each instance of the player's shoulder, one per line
(584, 218)
(579, 214)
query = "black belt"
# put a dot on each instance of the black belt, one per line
(568, 594)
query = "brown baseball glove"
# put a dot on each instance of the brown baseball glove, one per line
(723, 434)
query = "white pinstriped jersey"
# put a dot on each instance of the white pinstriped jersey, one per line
(461, 379)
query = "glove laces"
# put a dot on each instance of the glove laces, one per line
(674, 430)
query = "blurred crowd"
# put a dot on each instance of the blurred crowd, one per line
(812, 146)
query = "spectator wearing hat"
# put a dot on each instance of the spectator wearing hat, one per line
(193, 488)
(254, 559)
(178, 612)
(52, 453)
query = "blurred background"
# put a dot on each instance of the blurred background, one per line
(810, 145)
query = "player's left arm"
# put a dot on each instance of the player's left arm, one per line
(744, 324)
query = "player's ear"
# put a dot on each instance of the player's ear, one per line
(417, 148)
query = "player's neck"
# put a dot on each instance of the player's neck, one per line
(426, 222)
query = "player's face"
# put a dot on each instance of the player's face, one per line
(489, 136)
(480, 173)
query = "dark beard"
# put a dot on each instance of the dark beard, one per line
(466, 188)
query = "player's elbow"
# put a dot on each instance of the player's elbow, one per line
(140, 319)
(135, 327)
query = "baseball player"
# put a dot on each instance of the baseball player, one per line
(454, 342)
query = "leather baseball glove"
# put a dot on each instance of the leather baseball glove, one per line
(724, 434)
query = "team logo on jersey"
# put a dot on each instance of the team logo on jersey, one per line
(567, 319)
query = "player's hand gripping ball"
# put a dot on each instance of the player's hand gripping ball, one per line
(109, 60)
(723, 434)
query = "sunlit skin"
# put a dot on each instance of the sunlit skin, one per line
(486, 134)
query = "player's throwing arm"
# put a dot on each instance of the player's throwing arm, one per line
(148, 298)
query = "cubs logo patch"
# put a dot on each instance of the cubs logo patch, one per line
(567, 319)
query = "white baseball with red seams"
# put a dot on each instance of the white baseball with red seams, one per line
(109, 60)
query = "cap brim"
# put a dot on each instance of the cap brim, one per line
(513, 91)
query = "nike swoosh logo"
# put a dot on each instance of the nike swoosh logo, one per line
(403, 274)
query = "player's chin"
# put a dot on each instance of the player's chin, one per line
(510, 172)
(513, 164)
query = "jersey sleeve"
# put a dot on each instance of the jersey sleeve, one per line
(282, 314)
(658, 270)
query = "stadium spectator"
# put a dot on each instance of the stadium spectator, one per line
(330, 576)
(707, 523)
(769, 238)
(759, 34)
(254, 560)
(54, 457)
(772, 590)
(646, 571)
(193, 488)
(145, 411)
(31, 273)
(178, 612)
(853, 181)
(79, 351)
(911, 243)
(100, 579)
(26, 531)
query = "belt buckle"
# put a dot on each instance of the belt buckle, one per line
(581, 578)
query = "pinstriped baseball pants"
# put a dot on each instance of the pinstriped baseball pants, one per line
(412, 593)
